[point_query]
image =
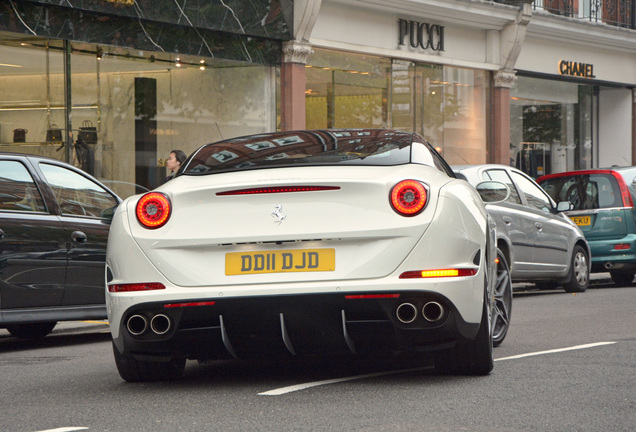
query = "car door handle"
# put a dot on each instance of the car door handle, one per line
(507, 220)
(539, 226)
(79, 237)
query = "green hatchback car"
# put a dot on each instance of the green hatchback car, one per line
(603, 207)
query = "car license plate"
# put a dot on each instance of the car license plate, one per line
(581, 220)
(280, 261)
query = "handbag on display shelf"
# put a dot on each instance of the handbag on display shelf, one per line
(19, 135)
(54, 134)
(87, 133)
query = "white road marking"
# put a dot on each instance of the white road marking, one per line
(298, 387)
(66, 429)
(577, 347)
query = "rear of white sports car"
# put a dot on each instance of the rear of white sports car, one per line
(342, 253)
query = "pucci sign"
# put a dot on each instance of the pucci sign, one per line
(421, 35)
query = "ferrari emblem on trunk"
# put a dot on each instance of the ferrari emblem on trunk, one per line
(278, 214)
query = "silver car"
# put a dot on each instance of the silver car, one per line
(541, 244)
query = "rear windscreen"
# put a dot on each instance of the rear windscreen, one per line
(589, 191)
(363, 147)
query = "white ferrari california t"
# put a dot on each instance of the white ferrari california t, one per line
(301, 243)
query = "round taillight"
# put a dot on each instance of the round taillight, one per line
(153, 210)
(408, 197)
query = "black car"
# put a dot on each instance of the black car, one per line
(54, 222)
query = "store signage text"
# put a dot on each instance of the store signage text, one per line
(571, 68)
(422, 35)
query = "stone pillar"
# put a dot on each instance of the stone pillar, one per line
(292, 85)
(634, 126)
(500, 148)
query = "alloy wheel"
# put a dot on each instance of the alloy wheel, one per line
(502, 307)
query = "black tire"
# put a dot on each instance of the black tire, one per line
(622, 278)
(31, 331)
(133, 370)
(502, 308)
(470, 357)
(579, 271)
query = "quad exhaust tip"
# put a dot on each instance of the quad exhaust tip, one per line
(406, 313)
(432, 312)
(160, 324)
(138, 324)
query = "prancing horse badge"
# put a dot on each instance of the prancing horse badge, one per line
(278, 214)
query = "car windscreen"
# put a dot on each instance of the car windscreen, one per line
(586, 191)
(302, 148)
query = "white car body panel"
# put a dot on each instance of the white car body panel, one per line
(373, 244)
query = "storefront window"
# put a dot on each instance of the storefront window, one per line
(550, 126)
(346, 91)
(129, 108)
(32, 99)
(447, 105)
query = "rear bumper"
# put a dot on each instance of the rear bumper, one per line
(290, 325)
(606, 256)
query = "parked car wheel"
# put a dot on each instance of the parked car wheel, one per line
(502, 308)
(470, 357)
(133, 370)
(31, 331)
(622, 278)
(579, 271)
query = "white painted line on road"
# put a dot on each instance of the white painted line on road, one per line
(298, 387)
(66, 429)
(290, 389)
(577, 347)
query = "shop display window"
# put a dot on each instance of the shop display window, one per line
(550, 126)
(347, 91)
(127, 108)
(447, 105)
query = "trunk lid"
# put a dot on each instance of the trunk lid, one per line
(346, 233)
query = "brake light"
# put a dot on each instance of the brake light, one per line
(408, 197)
(627, 197)
(278, 189)
(153, 210)
(438, 273)
(135, 287)
(370, 296)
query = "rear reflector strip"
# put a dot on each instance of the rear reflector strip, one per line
(438, 273)
(622, 246)
(190, 304)
(370, 296)
(135, 287)
(280, 189)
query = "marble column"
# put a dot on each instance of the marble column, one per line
(292, 85)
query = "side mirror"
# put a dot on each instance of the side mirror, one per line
(564, 206)
(493, 191)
